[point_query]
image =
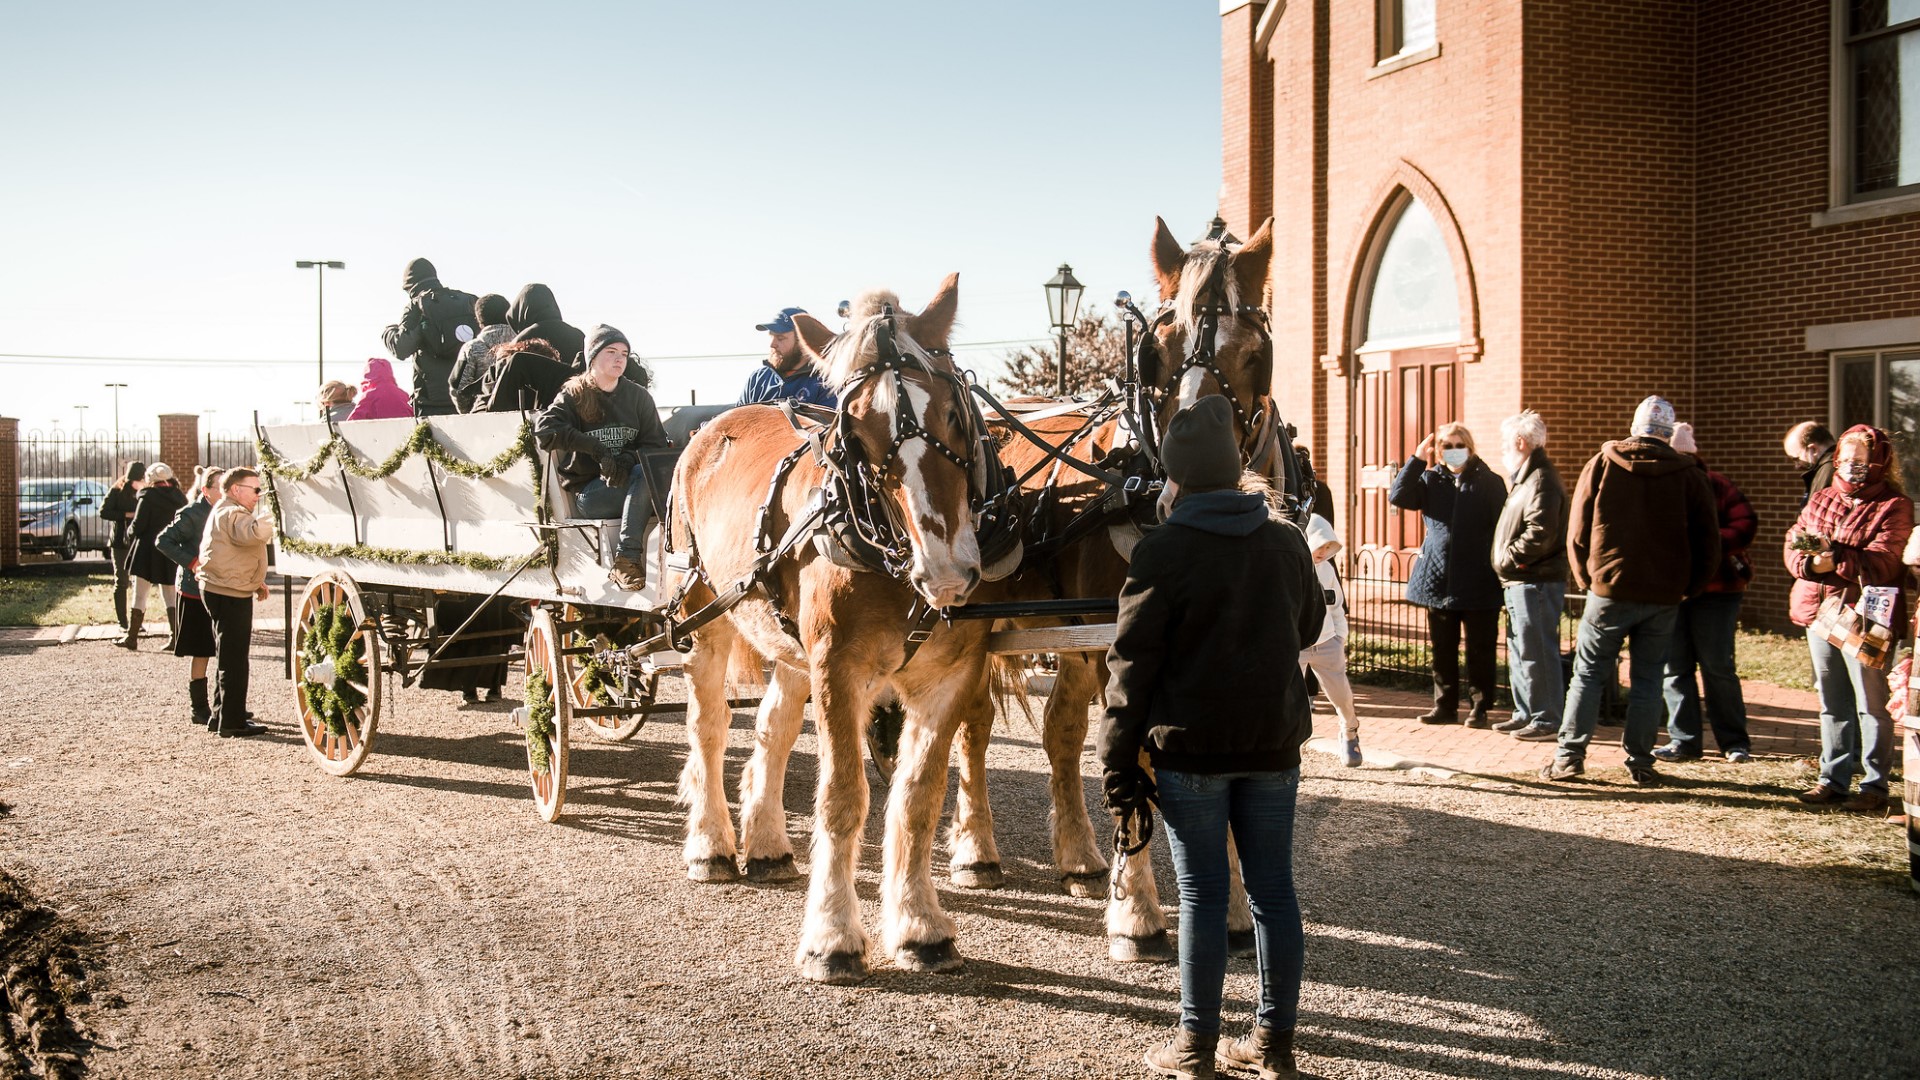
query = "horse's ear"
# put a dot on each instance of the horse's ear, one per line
(814, 335)
(1251, 263)
(932, 328)
(1168, 258)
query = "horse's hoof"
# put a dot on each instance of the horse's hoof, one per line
(1092, 884)
(717, 868)
(930, 956)
(1153, 948)
(980, 875)
(834, 969)
(1240, 943)
(772, 871)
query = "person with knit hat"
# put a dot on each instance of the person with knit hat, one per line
(1705, 632)
(1205, 680)
(153, 509)
(1849, 541)
(436, 325)
(600, 422)
(1642, 536)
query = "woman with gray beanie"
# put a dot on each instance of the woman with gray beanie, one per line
(1206, 682)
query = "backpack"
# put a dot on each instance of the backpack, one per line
(447, 322)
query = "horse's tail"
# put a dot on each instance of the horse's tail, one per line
(746, 669)
(1007, 682)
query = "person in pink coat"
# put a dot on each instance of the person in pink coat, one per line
(380, 396)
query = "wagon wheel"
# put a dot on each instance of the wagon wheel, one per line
(608, 728)
(546, 686)
(354, 695)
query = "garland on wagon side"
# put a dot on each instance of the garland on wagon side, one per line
(540, 729)
(332, 638)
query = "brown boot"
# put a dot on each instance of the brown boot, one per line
(1188, 1055)
(131, 639)
(1866, 801)
(173, 628)
(628, 573)
(1264, 1050)
(1818, 795)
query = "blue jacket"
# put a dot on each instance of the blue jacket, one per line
(767, 385)
(1455, 569)
(180, 541)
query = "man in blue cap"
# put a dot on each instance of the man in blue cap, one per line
(786, 373)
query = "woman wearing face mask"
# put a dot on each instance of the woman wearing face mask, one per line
(1459, 500)
(1850, 538)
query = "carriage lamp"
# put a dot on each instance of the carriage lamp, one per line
(320, 267)
(1063, 307)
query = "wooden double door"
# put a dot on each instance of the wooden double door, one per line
(1401, 397)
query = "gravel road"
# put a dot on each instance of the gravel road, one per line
(253, 917)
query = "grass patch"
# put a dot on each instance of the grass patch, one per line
(1780, 659)
(56, 601)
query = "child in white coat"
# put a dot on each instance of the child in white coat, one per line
(1327, 658)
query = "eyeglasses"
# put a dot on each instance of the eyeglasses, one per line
(244, 487)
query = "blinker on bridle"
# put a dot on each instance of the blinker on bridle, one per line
(894, 364)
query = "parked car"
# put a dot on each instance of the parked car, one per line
(63, 516)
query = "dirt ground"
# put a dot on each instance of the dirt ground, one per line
(241, 914)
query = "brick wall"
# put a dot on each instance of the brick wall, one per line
(180, 444)
(9, 492)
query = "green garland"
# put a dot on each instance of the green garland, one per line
(539, 720)
(594, 675)
(332, 637)
(468, 559)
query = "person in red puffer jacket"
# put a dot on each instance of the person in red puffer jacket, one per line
(1858, 529)
(1703, 636)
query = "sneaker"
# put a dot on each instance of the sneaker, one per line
(628, 573)
(244, 729)
(1538, 733)
(1643, 776)
(1866, 801)
(1188, 1055)
(1478, 720)
(1674, 752)
(1513, 724)
(1437, 715)
(1739, 757)
(1557, 770)
(1821, 794)
(1353, 753)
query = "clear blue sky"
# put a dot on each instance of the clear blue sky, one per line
(679, 170)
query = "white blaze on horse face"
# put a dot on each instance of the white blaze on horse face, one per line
(1190, 384)
(946, 554)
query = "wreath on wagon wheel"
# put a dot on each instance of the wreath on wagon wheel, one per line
(332, 639)
(596, 679)
(540, 729)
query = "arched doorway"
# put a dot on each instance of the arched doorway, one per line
(1406, 372)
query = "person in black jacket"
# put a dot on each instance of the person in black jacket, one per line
(1530, 556)
(438, 322)
(1459, 500)
(1205, 678)
(117, 508)
(180, 541)
(1811, 444)
(153, 508)
(601, 421)
(535, 316)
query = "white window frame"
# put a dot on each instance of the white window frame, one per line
(1389, 53)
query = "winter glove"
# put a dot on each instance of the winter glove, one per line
(616, 469)
(1129, 789)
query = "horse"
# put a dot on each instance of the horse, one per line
(894, 481)
(1209, 338)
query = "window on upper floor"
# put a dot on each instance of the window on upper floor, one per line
(1881, 388)
(1879, 91)
(1405, 27)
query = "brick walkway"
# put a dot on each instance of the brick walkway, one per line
(1782, 722)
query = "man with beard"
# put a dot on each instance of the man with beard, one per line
(1530, 558)
(786, 373)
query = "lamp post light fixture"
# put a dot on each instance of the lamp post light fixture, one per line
(321, 266)
(116, 387)
(80, 425)
(1063, 307)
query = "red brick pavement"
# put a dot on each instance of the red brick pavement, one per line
(1782, 722)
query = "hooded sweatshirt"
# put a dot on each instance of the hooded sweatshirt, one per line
(535, 316)
(380, 396)
(626, 422)
(1205, 663)
(1643, 525)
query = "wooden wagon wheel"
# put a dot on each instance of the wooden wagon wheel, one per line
(546, 669)
(341, 749)
(608, 728)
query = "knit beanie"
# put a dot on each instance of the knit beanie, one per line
(419, 272)
(1199, 449)
(136, 470)
(1654, 419)
(1683, 439)
(603, 336)
(159, 473)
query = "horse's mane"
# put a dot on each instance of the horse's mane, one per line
(1202, 261)
(854, 350)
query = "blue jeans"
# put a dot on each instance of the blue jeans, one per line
(1606, 625)
(1703, 637)
(1855, 734)
(632, 506)
(1533, 650)
(1197, 808)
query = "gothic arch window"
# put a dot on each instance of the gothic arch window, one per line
(1412, 298)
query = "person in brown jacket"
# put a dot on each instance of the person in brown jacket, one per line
(1643, 535)
(233, 574)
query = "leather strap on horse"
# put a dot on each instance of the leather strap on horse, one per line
(1132, 832)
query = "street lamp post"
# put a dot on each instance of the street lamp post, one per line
(321, 266)
(1063, 307)
(80, 425)
(116, 387)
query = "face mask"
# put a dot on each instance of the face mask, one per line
(1854, 472)
(1455, 457)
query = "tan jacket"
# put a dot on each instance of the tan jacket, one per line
(233, 551)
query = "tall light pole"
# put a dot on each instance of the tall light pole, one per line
(1063, 307)
(321, 266)
(80, 425)
(116, 387)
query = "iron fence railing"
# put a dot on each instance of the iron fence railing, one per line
(63, 478)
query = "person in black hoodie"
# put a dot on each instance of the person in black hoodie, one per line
(601, 421)
(438, 322)
(117, 508)
(153, 510)
(535, 316)
(1205, 678)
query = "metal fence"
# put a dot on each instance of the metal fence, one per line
(229, 451)
(63, 478)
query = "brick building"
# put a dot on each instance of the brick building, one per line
(1485, 205)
